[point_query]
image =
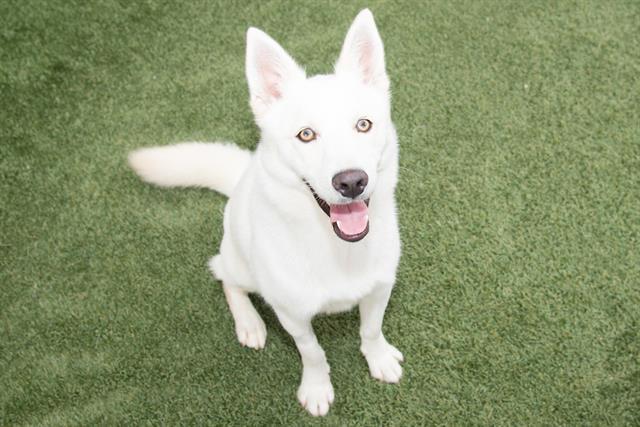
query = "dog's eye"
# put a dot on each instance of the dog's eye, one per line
(306, 135)
(363, 125)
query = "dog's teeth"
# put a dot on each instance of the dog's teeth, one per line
(339, 225)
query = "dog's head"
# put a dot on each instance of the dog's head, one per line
(329, 131)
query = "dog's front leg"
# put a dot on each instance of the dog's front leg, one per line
(315, 392)
(383, 358)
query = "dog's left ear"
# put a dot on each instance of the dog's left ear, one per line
(269, 70)
(363, 53)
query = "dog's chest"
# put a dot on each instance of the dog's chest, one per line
(337, 283)
(343, 296)
(338, 306)
(329, 280)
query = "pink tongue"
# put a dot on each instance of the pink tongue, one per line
(352, 218)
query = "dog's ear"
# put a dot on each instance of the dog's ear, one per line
(363, 53)
(269, 70)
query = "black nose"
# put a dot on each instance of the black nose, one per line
(350, 183)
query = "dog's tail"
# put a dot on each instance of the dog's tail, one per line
(218, 166)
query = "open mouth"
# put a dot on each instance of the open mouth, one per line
(350, 220)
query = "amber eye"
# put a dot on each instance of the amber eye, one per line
(306, 135)
(363, 125)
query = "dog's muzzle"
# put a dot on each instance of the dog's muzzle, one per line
(350, 221)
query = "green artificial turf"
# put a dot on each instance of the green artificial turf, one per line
(518, 293)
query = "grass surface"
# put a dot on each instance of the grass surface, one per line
(518, 293)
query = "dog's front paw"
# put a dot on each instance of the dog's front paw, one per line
(316, 396)
(383, 359)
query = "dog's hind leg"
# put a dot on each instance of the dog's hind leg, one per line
(250, 327)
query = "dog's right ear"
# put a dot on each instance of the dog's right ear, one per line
(362, 53)
(269, 70)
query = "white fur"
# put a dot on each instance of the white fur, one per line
(192, 164)
(277, 242)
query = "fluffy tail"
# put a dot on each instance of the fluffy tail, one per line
(217, 166)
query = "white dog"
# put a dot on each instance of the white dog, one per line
(311, 222)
